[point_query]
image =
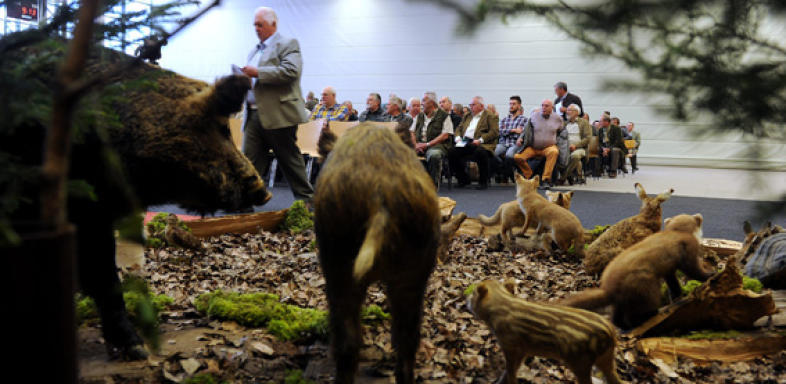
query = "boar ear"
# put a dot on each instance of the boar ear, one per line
(699, 219)
(228, 94)
(481, 291)
(640, 191)
(510, 286)
(747, 228)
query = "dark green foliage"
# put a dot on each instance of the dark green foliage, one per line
(298, 218)
(295, 376)
(86, 308)
(707, 334)
(373, 314)
(203, 378)
(470, 290)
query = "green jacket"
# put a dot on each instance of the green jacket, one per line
(434, 128)
(488, 129)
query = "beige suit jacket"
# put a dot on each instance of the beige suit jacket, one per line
(277, 90)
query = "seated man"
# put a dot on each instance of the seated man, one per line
(395, 113)
(476, 138)
(373, 110)
(539, 139)
(328, 109)
(510, 127)
(634, 135)
(432, 130)
(612, 145)
(353, 113)
(579, 133)
(617, 143)
(447, 105)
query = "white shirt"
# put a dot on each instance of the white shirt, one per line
(473, 125)
(574, 134)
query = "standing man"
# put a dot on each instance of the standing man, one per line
(373, 110)
(564, 99)
(540, 140)
(510, 128)
(634, 135)
(476, 138)
(433, 129)
(275, 105)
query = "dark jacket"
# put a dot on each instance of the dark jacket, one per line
(488, 129)
(616, 139)
(567, 100)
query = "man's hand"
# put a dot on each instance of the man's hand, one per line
(519, 142)
(250, 71)
(475, 142)
(605, 151)
(517, 130)
(572, 147)
(563, 109)
(421, 147)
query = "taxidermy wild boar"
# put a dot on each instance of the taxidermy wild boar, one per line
(147, 137)
(376, 218)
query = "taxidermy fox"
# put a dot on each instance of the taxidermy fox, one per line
(559, 224)
(447, 230)
(577, 337)
(511, 215)
(626, 232)
(632, 281)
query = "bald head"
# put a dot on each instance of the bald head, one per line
(328, 97)
(546, 108)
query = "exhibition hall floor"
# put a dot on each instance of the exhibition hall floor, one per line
(726, 198)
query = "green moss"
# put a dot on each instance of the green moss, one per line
(689, 286)
(599, 229)
(295, 376)
(203, 378)
(287, 322)
(312, 246)
(298, 218)
(373, 314)
(707, 334)
(752, 284)
(86, 308)
(470, 289)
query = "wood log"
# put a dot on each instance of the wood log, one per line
(250, 223)
(724, 350)
(720, 303)
(722, 247)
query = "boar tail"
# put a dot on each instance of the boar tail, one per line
(587, 299)
(372, 244)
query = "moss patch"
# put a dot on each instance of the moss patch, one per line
(295, 376)
(752, 284)
(287, 322)
(86, 308)
(298, 218)
(470, 290)
(203, 378)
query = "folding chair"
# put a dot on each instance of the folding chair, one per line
(307, 137)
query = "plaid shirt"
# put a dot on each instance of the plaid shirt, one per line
(507, 137)
(335, 113)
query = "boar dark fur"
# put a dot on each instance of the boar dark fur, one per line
(171, 144)
(376, 219)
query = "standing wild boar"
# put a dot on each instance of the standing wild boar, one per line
(148, 137)
(376, 219)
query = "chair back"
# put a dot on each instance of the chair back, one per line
(341, 127)
(593, 148)
(236, 129)
(630, 144)
(308, 135)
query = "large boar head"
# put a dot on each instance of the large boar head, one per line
(176, 146)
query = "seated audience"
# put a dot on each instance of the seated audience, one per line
(465, 112)
(613, 145)
(458, 110)
(475, 140)
(539, 139)
(633, 135)
(579, 133)
(432, 130)
(492, 110)
(311, 101)
(510, 127)
(617, 141)
(353, 113)
(446, 105)
(328, 109)
(373, 110)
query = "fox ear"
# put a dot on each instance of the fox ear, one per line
(510, 286)
(665, 195)
(560, 199)
(569, 194)
(667, 221)
(519, 178)
(699, 219)
(640, 191)
(536, 179)
(747, 227)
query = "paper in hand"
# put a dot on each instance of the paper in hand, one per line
(237, 70)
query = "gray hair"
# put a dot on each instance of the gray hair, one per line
(561, 85)
(480, 100)
(376, 96)
(431, 95)
(330, 90)
(413, 99)
(395, 100)
(268, 14)
(575, 107)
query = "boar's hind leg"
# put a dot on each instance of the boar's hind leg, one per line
(344, 299)
(98, 279)
(406, 301)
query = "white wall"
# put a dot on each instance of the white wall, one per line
(362, 46)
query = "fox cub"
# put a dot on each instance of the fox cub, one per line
(577, 337)
(632, 281)
(510, 215)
